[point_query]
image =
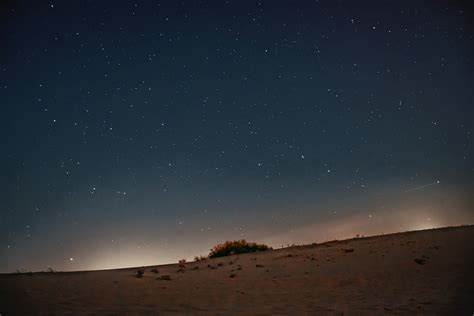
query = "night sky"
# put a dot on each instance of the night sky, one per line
(143, 132)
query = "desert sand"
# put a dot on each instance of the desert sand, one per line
(424, 272)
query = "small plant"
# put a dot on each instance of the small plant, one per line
(140, 273)
(199, 258)
(182, 261)
(154, 270)
(422, 260)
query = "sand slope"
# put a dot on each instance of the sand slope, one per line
(365, 276)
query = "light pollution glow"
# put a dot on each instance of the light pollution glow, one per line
(432, 215)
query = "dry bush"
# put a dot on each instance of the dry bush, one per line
(236, 247)
(200, 258)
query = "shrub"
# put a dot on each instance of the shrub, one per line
(236, 247)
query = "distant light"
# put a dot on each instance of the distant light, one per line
(71, 259)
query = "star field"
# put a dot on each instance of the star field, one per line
(142, 132)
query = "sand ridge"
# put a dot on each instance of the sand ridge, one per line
(422, 272)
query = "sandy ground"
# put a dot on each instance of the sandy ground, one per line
(425, 272)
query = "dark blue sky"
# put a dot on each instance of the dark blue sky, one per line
(142, 132)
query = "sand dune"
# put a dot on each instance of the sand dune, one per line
(423, 272)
